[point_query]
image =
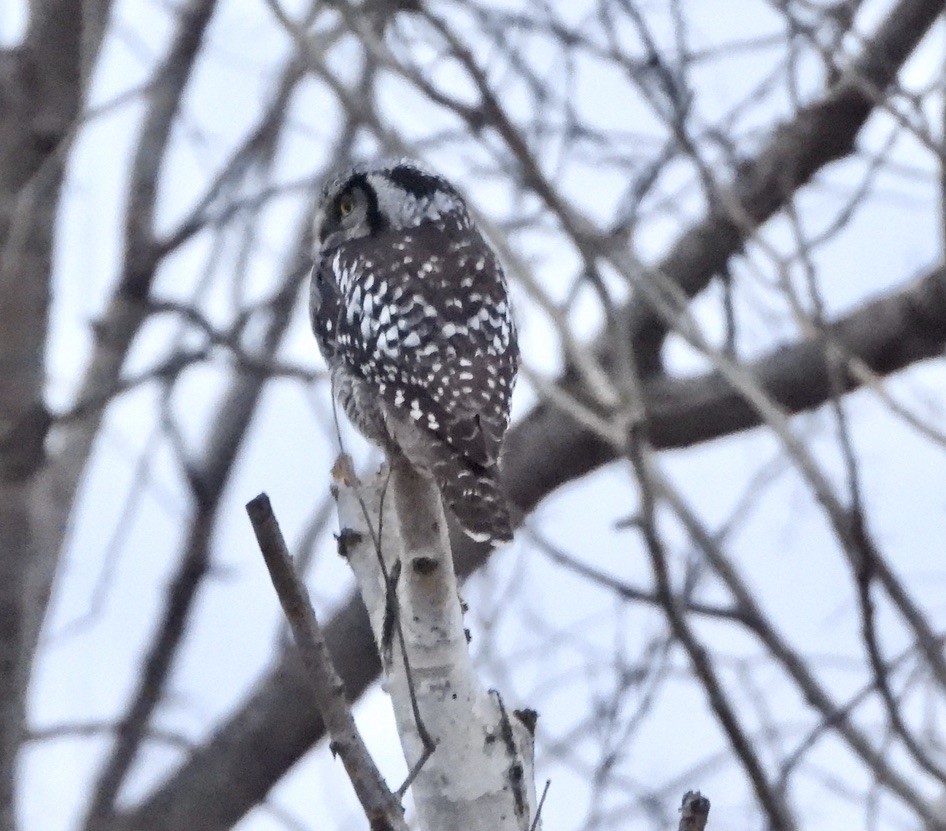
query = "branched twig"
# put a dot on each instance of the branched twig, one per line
(769, 798)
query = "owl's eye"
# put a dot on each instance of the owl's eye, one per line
(346, 205)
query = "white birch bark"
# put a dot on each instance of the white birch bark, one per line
(480, 776)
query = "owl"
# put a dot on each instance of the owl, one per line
(411, 312)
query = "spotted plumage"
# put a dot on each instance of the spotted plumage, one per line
(411, 312)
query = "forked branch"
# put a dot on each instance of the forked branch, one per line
(479, 776)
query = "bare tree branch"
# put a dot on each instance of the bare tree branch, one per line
(377, 801)
(771, 800)
(208, 479)
(42, 88)
(543, 451)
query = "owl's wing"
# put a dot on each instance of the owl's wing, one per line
(426, 321)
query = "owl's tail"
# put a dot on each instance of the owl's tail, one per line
(470, 491)
(474, 496)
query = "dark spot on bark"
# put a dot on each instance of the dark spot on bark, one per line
(347, 538)
(425, 565)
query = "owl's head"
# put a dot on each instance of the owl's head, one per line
(369, 199)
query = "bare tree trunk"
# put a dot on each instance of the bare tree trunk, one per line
(42, 83)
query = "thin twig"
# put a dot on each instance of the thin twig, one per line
(538, 809)
(771, 801)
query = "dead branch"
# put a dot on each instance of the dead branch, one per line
(382, 807)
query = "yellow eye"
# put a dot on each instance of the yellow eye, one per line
(346, 205)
